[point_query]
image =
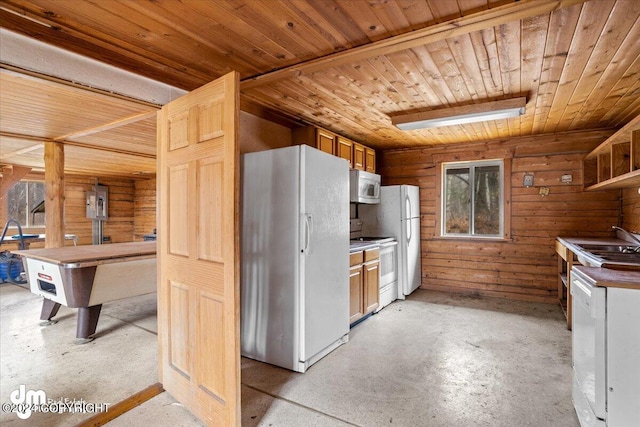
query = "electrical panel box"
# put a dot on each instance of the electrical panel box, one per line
(98, 203)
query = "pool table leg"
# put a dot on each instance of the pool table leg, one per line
(49, 310)
(87, 321)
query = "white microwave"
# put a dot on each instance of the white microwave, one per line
(365, 187)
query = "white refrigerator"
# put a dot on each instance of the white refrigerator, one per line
(398, 215)
(295, 256)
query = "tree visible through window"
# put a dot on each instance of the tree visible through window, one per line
(23, 202)
(472, 197)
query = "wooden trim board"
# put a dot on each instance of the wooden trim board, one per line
(123, 406)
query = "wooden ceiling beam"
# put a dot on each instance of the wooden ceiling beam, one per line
(442, 31)
(22, 72)
(24, 150)
(108, 126)
(74, 143)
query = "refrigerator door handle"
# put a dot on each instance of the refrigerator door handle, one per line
(407, 214)
(307, 229)
(409, 231)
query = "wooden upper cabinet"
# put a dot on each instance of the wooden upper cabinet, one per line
(325, 141)
(345, 150)
(358, 156)
(369, 159)
(615, 163)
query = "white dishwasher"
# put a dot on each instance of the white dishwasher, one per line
(606, 353)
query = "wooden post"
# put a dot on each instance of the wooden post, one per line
(54, 194)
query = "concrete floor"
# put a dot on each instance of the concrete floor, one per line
(433, 360)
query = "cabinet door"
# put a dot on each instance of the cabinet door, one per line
(345, 150)
(355, 293)
(358, 156)
(370, 160)
(325, 141)
(371, 286)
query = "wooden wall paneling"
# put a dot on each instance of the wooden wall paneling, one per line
(257, 134)
(144, 208)
(631, 209)
(523, 267)
(635, 150)
(119, 227)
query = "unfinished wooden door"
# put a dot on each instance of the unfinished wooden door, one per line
(198, 251)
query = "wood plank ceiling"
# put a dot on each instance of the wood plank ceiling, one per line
(345, 65)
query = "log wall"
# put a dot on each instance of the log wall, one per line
(631, 209)
(144, 208)
(523, 267)
(119, 226)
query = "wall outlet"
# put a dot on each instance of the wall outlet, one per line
(567, 178)
(544, 191)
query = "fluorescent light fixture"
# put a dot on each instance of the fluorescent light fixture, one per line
(460, 115)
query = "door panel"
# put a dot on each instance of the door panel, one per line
(325, 263)
(198, 251)
(414, 278)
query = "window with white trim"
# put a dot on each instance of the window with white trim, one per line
(473, 199)
(24, 203)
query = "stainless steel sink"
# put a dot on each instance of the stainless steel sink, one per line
(610, 256)
(605, 249)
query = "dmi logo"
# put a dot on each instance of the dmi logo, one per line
(26, 399)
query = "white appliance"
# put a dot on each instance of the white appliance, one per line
(388, 273)
(398, 215)
(295, 256)
(364, 187)
(606, 353)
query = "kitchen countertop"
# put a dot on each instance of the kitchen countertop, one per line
(607, 277)
(587, 258)
(355, 246)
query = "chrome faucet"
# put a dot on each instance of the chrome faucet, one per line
(631, 236)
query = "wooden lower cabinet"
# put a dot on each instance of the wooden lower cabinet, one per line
(356, 302)
(371, 285)
(364, 281)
